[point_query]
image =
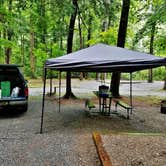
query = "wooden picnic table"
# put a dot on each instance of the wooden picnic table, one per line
(104, 102)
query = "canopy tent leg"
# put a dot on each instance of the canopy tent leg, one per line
(50, 82)
(131, 101)
(59, 91)
(43, 101)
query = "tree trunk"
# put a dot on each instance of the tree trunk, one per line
(42, 21)
(61, 42)
(81, 76)
(104, 27)
(32, 57)
(8, 53)
(31, 52)
(150, 73)
(115, 81)
(22, 51)
(1, 49)
(80, 32)
(69, 49)
(164, 88)
(88, 37)
(89, 28)
(8, 50)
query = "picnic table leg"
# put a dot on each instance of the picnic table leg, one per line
(128, 113)
(110, 105)
(105, 105)
(116, 106)
(100, 104)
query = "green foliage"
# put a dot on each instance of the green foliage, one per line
(109, 36)
(48, 20)
(56, 51)
(154, 15)
(158, 74)
(6, 43)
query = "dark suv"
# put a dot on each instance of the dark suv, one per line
(13, 89)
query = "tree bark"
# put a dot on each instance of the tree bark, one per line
(115, 81)
(32, 57)
(80, 32)
(42, 21)
(89, 28)
(164, 88)
(81, 76)
(22, 50)
(32, 45)
(150, 71)
(69, 49)
(8, 50)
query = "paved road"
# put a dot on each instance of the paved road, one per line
(82, 88)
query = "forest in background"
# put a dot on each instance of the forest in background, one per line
(32, 31)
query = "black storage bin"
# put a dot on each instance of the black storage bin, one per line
(103, 91)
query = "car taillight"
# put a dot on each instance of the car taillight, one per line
(26, 91)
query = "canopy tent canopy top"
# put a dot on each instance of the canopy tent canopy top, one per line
(105, 58)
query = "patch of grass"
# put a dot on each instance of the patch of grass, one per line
(38, 83)
(151, 100)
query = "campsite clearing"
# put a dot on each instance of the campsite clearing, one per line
(67, 137)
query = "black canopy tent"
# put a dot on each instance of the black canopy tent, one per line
(101, 58)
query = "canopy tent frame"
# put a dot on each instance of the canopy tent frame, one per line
(59, 96)
(131, 98)
(43, 100)
(59, 91)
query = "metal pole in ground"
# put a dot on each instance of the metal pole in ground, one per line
(59, 91)
(131, 101)
(50, 82)
(43, 101)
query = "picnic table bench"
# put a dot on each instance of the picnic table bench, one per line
(124, 105)
(89, 103)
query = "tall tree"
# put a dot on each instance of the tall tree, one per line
(115, 82)
(42, 24)
(150, 74)
(154, 16)
(9, 33)
(46, 35)
(69, 48)
(32, 42)
(164, 88)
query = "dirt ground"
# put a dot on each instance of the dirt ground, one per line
(136, 149)
(67, 135)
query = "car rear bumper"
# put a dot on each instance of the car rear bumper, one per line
(16, 103)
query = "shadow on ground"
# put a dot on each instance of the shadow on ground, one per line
(11, 114)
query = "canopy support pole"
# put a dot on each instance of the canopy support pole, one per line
(59, 91)
(131, 101)
(50, 82)
(43, 101)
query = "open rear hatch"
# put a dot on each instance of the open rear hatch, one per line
(12, 84)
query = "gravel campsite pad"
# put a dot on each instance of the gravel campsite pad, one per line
(136, 150)
(67, 135)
